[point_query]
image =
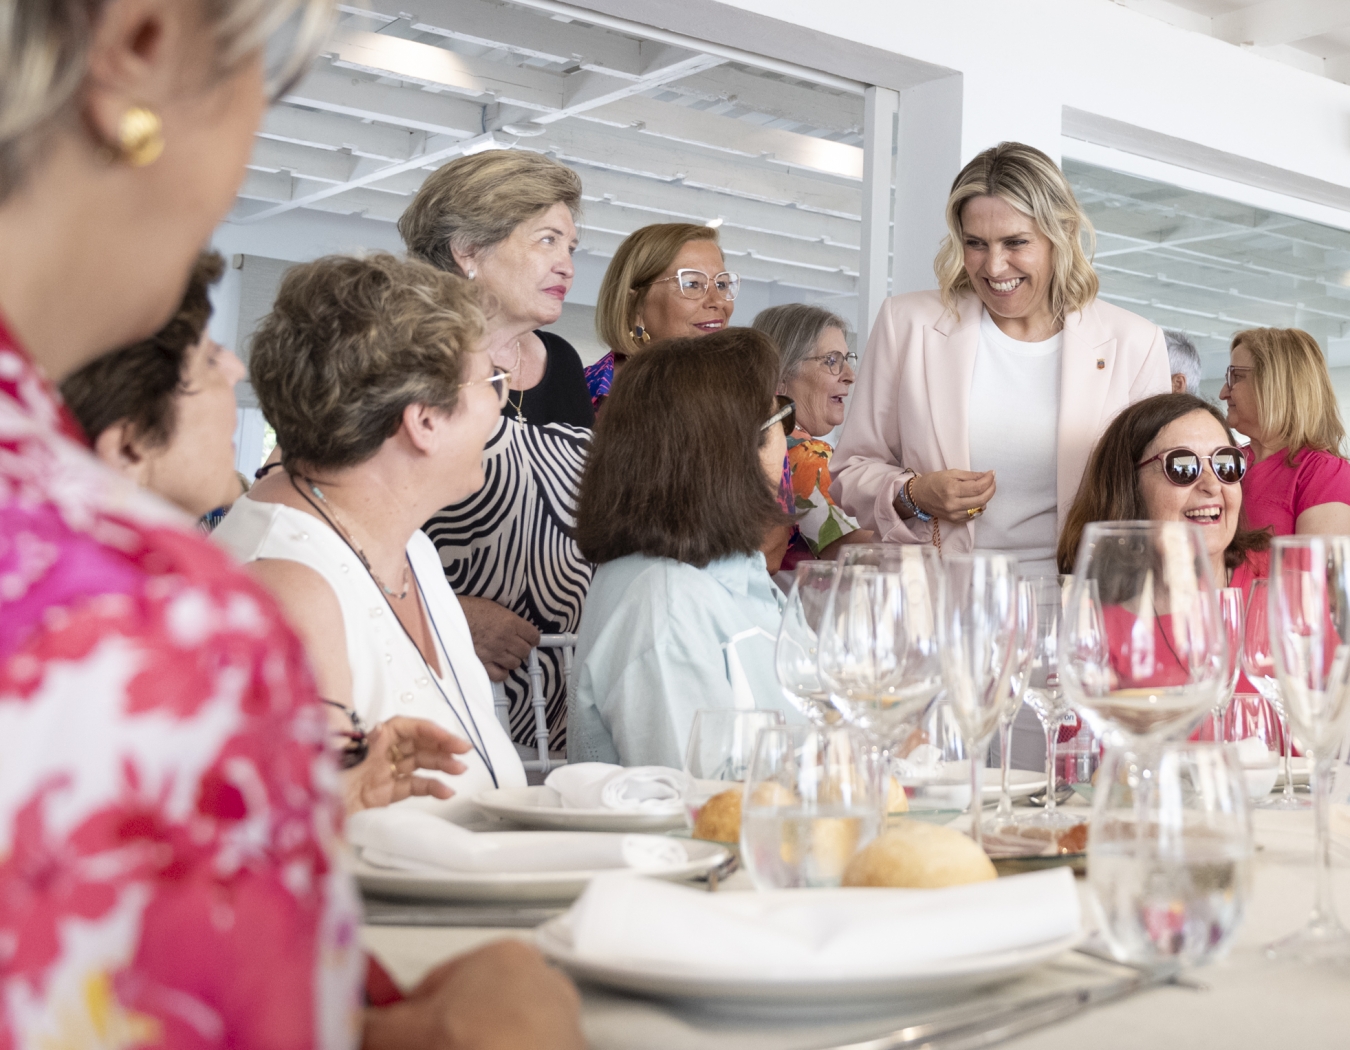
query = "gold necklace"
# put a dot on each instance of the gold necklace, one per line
(519, 407)
(346, 533)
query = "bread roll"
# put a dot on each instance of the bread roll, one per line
(720, 818)
(916, 855)
(896, 799)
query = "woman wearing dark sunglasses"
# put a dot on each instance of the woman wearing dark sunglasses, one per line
(1171, 458)
(677, 496)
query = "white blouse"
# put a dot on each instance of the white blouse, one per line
(1014, 423)
(389, 676)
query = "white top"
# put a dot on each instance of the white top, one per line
(1014, 421)
(389, 676)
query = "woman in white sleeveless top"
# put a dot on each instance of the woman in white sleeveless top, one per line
(368, 371)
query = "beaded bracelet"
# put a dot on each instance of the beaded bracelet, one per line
(908, 500)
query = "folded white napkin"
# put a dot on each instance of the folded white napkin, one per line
(818, 933)
(600, 785)
(412, 840)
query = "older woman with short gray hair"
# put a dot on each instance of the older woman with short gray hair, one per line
(816, 371)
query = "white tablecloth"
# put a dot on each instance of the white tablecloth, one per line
(1250, 1002)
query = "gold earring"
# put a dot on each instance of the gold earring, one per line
(640, 335)
(140, 136)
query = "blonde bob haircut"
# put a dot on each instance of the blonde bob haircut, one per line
(44, 46)
(350, 343)
(1029, 181)
(1295, 403)
(643, 256)
(475, 202)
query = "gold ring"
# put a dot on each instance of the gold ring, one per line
(974, 512)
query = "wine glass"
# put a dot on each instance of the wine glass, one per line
(1309, 610)
(1233, 614)
(1169, 852)
(1017, 682)
(795, 657)
(1146, 656)
(722, 742)
(1258, 661)
(977, 634)
(878, 652)
(811, 802)
(1043, 692)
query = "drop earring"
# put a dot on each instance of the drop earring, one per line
(140, 136)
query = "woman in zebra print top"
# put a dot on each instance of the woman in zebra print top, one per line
(505, 220)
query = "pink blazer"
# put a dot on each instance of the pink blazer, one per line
(910, 409)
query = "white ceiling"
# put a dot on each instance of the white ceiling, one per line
(659, 132)
(1313, 35)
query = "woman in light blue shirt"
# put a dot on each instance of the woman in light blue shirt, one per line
(677, 497)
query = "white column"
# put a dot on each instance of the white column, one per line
(879, 109)
(928, 156)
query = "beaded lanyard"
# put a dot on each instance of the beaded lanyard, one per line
(476, 739)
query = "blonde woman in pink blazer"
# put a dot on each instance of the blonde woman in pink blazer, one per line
(977, 404)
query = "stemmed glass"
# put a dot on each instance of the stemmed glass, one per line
(1258, 660)
(796, 656)
(1309, 613)
(977, 633)
(1145, 656)
(1018, 670)
(1044, 693)
(878, 651)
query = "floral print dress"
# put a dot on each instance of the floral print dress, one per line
(819, 521)
(169, 817)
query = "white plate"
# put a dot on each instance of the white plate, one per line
(1021, 783)
(540, 807)
(515, 886)
(932, 980)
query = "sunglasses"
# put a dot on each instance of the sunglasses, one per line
(786, 415)
(1183, 467)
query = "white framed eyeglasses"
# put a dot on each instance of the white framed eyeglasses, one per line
(694, 284)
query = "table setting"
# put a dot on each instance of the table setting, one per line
(876, 886)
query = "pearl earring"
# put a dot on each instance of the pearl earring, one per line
(472, 274)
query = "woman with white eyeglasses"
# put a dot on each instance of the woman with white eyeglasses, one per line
(666, 281)
(815, 369)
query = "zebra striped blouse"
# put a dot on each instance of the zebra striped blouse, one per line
(511, 542)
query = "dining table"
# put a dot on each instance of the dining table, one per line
(1242, 1000)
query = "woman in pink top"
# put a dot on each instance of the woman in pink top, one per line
(170, 867)
(1279, 394)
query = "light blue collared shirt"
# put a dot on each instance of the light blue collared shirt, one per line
(652, 650)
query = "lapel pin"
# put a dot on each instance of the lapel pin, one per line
(1101, 363)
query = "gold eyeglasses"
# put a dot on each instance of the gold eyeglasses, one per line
(501, 385)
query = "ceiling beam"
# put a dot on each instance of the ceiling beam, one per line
(675, 202)
(322, 130)
(598, 146)
(799, 103)
(328, 89)
(518, 31)
(1274, 22)
(684, 124)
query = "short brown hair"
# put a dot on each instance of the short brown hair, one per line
(1029, 181)
(674, 470)
(1295, 403)
(137, 384)
(350, 343)
(643, 256)
(1110, 489)
(475, 202)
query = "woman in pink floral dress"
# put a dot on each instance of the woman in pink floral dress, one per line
(168, 814)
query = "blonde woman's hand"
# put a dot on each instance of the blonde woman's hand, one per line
(951, 494)
(394, 751)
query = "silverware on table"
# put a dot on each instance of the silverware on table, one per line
(978, 1028)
